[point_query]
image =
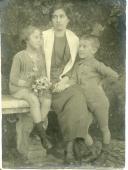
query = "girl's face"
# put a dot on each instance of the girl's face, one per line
(34, 40)
(59, 20)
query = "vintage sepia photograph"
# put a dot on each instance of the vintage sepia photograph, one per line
(63, 84)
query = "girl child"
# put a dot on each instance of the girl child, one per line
(27, 64)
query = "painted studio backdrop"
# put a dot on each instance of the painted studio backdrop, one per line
(106, 19)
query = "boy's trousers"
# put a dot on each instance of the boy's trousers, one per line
(97, 103)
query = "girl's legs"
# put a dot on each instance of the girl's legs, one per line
(34, 103)
(45, 105)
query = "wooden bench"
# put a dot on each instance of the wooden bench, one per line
(24, 125)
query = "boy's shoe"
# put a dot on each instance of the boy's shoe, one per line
(94, 152)
(106, 147)
(102, 158)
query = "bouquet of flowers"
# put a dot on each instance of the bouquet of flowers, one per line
(41, 85)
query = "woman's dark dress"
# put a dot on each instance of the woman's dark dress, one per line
(69, 105)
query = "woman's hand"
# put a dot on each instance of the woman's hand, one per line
(61, 85)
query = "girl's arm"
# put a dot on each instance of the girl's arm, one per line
(15, 71)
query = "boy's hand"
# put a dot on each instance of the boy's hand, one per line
(113, 79)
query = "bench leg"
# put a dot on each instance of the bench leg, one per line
(33, 152)
(23, 128)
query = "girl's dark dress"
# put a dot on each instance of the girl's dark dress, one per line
(69, 105)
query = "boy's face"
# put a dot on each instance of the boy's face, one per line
(86, 49)
(34, 40)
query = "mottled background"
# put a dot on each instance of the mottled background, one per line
(106, 18)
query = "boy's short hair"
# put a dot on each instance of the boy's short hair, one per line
(26, 32)
(94, 40)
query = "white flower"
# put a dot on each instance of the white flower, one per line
(33, 86)
(35, 90)
(41, 84)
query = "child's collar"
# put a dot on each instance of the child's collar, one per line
(83, 60)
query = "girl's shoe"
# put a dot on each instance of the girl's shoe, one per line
(41, 133)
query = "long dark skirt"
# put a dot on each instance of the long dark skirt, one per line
(71, 109)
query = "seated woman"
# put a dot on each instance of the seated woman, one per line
(60, 49)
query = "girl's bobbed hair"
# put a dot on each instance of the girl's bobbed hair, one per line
(65, 7)
(26, 32)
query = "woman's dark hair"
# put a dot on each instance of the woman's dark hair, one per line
(66, 7)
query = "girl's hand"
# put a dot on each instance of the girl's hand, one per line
(23, 83)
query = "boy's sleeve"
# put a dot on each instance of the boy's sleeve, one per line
(106, 71)
(15, 70)
(73, 75)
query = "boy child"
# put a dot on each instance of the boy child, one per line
(88, 73)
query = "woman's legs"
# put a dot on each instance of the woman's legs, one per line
(68, 152)
(71, 109)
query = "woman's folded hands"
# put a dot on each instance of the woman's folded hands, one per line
(62, 84)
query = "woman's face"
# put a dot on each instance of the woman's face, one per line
(59, 20)
(34, 40)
